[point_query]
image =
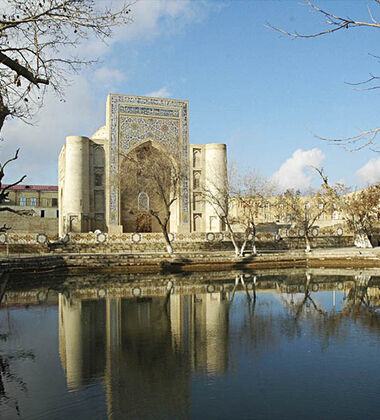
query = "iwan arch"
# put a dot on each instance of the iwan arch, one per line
(91, 181)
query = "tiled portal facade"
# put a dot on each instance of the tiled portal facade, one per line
(89, 167)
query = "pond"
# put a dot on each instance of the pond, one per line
(244, 345)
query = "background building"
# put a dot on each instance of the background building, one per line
(41, 200)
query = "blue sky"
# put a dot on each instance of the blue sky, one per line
(258, 91)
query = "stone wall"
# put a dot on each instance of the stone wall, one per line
(30, 224)
(153, 242)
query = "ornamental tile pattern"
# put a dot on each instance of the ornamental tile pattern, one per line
(130, 238)
(134, 130)
(135, 119)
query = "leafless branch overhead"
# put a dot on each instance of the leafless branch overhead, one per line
(334, 22)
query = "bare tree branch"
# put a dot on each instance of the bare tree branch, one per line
(336, 22)
(367, 137)
(28, 212)
(4, 228)
(157, 175)
(35, 43)
(21, 70)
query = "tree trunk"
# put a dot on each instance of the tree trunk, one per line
(237, 253)
(242, 249)
(308, 244)
(362, 241)
(3, 285)
(254, 250)
(233, 240)
(4, 112)
(164, 229)
(169, 247)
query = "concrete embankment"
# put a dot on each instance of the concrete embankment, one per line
(207, 261)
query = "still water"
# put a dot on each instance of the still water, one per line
(286, 345)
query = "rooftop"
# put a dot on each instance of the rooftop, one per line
(21, 187)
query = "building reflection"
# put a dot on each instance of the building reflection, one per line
(144, 348)
(82, 339)
(199, 325)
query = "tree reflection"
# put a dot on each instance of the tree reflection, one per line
(360, 304)
(358, 300)
(307, 300)
(7, 377)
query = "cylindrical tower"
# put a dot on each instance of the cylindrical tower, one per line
(71, 340)
(76, 194)
(216, 183)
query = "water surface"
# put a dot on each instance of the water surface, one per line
(215, 346)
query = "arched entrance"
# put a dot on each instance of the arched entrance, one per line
(144, 187)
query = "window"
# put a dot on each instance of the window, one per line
(33, 201)
(196, 180)
(307, 205)
(57, 213)
(197, 202)
(54, 202)
(42, 213)
(197, 158)
(22, 201)
(98, 156)
(307, 216)
(288, 218)
(197, 222)
(143, 201)
(320, 206)
(267, 205)
(98, 180)
(335, 215)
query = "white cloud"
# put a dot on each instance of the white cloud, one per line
(84, 109)
(370, 172)
(106, 74)
(150, 19)
(296, 172)
(40, 144)
(160, 93)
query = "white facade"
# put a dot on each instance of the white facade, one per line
(89, 183)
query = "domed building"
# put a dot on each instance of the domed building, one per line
(103, 186)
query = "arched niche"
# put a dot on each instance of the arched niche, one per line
(144, 177)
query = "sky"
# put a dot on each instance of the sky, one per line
(262, 93)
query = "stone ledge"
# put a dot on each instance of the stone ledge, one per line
(212, 261)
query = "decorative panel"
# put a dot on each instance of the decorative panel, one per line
(135, 119)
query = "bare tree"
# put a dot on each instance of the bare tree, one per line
(4, 193)
(152, 185)
(237, 203)
(217, 193)
(334, 23)
(305, 211)
(361, 210)
(37, 42)
(250, 194)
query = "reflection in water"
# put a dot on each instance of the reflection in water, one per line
(145, 350)
(199, 326)
(82, 339)
(247, 336)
